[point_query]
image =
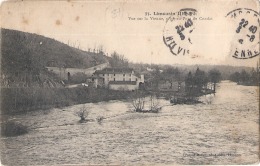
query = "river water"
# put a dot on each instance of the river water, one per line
(225, 131)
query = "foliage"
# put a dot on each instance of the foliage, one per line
(235, 77)
(200, 79)
(245, 78)
(198, 82)
(172, 73)
(190, 86)
(36, 50)
(156, 77)
(154, 102)
(19, 100)
(225, 70)
(118, 60)
(83, 114)
(189, 80)
(24, 57)
(214, 76)
(158, 74)
(138, 99)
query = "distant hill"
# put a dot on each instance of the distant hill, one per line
(26, 55)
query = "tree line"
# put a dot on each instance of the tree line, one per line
(245, 78)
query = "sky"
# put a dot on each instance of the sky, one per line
(91, 24)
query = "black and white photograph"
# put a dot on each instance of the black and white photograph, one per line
(129, 82)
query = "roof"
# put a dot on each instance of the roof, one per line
(114, 70)
(123, 82)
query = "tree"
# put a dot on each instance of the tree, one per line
(254, 77)
(138, 100)
(188, 80)
(214, 77)
(83, 114)
(117, 60)
(196, 84)
(200, 79)
(172, 74)
(189, 83)
(235, 77)
(156, 77)
(244, 76)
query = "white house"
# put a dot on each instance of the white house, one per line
(118, 79)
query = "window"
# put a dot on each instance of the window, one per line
(114, 79)
(129, 79)
(123, 74)
(103, 74)
(136, 79)
(123, 79)
(114, 74)
(130, 75)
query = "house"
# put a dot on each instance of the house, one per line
(117, 79)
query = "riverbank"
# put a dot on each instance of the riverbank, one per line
(22, 100)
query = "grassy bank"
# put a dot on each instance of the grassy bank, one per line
(20, 100)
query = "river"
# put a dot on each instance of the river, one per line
(225, 131)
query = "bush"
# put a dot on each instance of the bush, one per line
(83, 114)
(100, 119)
(10, 129)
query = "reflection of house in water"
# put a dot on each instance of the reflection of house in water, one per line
(118, 79)
(65, 73)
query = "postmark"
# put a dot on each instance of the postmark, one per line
(245, 28)
(177, 35)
